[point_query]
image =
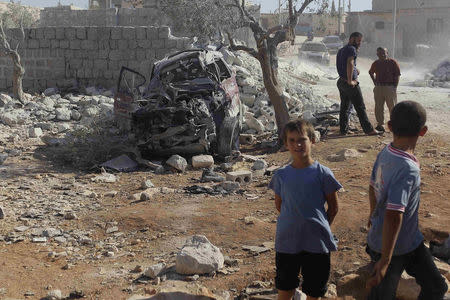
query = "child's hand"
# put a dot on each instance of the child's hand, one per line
(379, 271)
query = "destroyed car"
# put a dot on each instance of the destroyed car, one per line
(190, 105)
(314, 51)
(333, 43)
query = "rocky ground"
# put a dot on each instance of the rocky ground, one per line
(70, 231)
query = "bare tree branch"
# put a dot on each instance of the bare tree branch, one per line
(303, 7)
(235, 47)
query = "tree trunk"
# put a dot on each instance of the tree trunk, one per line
(274, 89)
(18, 73)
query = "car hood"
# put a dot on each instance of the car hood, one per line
(333, 45)
(312, 53)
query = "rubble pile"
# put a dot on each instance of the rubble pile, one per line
(439, 77)
(259, 116)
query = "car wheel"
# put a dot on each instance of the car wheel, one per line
(228, 138)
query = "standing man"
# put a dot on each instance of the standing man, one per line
(387, 74)
(348, 85)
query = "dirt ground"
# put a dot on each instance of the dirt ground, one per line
(156, 229)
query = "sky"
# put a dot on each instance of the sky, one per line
(266, 5)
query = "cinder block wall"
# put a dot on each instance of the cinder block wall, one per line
(59, 56)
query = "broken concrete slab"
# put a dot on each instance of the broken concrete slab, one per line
(198, 256)
(121, 163)
(105, 177)
(343, 155)
(241, 177)
(255, 249)
(154, 270)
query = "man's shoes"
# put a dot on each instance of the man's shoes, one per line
(347, 133)
(374, 132)
(380, 128)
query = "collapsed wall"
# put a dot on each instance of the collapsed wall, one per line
(86, 56)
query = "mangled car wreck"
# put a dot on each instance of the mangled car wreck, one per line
(190, 105)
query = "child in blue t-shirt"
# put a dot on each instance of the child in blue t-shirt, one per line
(394, 240)
(303, 237)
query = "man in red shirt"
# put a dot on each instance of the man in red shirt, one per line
(385, 74)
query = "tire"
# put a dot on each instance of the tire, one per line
(228, 138)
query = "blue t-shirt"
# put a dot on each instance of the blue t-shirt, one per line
(341, 61)
(396, 181)
(303, 223)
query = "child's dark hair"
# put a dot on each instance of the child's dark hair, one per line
(355, 34)
(408, 118)
(301, 126)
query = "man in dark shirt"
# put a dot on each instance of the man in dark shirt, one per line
(387, 74)
(348, 85)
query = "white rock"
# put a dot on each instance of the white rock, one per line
(3, 157)
(146, 184)
(34, 132)
(62, 127)
(51, 232)
(39, 240)
(63, 114)
(344, 155)
(54, 295)
(202, 161)
(14, 117)
(253, 123)
(198, 256)
(75, 115)
(260, 164)
(177, 162)
(317, 136)
(155, 270)
(230, 186)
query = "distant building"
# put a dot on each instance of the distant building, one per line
(421, 24)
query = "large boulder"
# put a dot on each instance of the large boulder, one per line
(198, 256)
(177, 162)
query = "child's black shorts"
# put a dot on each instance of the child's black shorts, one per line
(315, 268)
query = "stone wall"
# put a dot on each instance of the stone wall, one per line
(65, 16)
(59, 56)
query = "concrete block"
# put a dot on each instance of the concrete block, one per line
(92, 34)
(39, 33)
(122, 44)
(100, 64)
(171, 43)
(160, 53)
(33, 44)
(81, 33)
(116, 33)
(141, 33)
(129, 33)
(103, 45)
(239, 176)
(54, 43)
(113, 44)
(103, 54)
(115, 55)
(152, 33)
(59, 33)
(49, 33)
(146, 44)
(163, 32)
(132, 44)
(88, 63)
(88, 72)
(32, 33)
(64, 44)
(104, 33)
(158, 44)
(70, 33)
(75, 44)
(89, 45)
(140, 54)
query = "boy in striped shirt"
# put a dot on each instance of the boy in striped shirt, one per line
(394, 241)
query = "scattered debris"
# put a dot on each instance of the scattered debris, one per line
(198, 256)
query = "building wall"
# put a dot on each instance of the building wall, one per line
(58, 56)
(430, 26)
(388, 5)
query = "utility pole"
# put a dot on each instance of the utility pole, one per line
(349, 5)
(339, 17)
(394, 27)
(279, 12)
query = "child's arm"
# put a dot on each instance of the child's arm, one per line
(332, 201)
(391, 227)
(373, 203)
(278, 202)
